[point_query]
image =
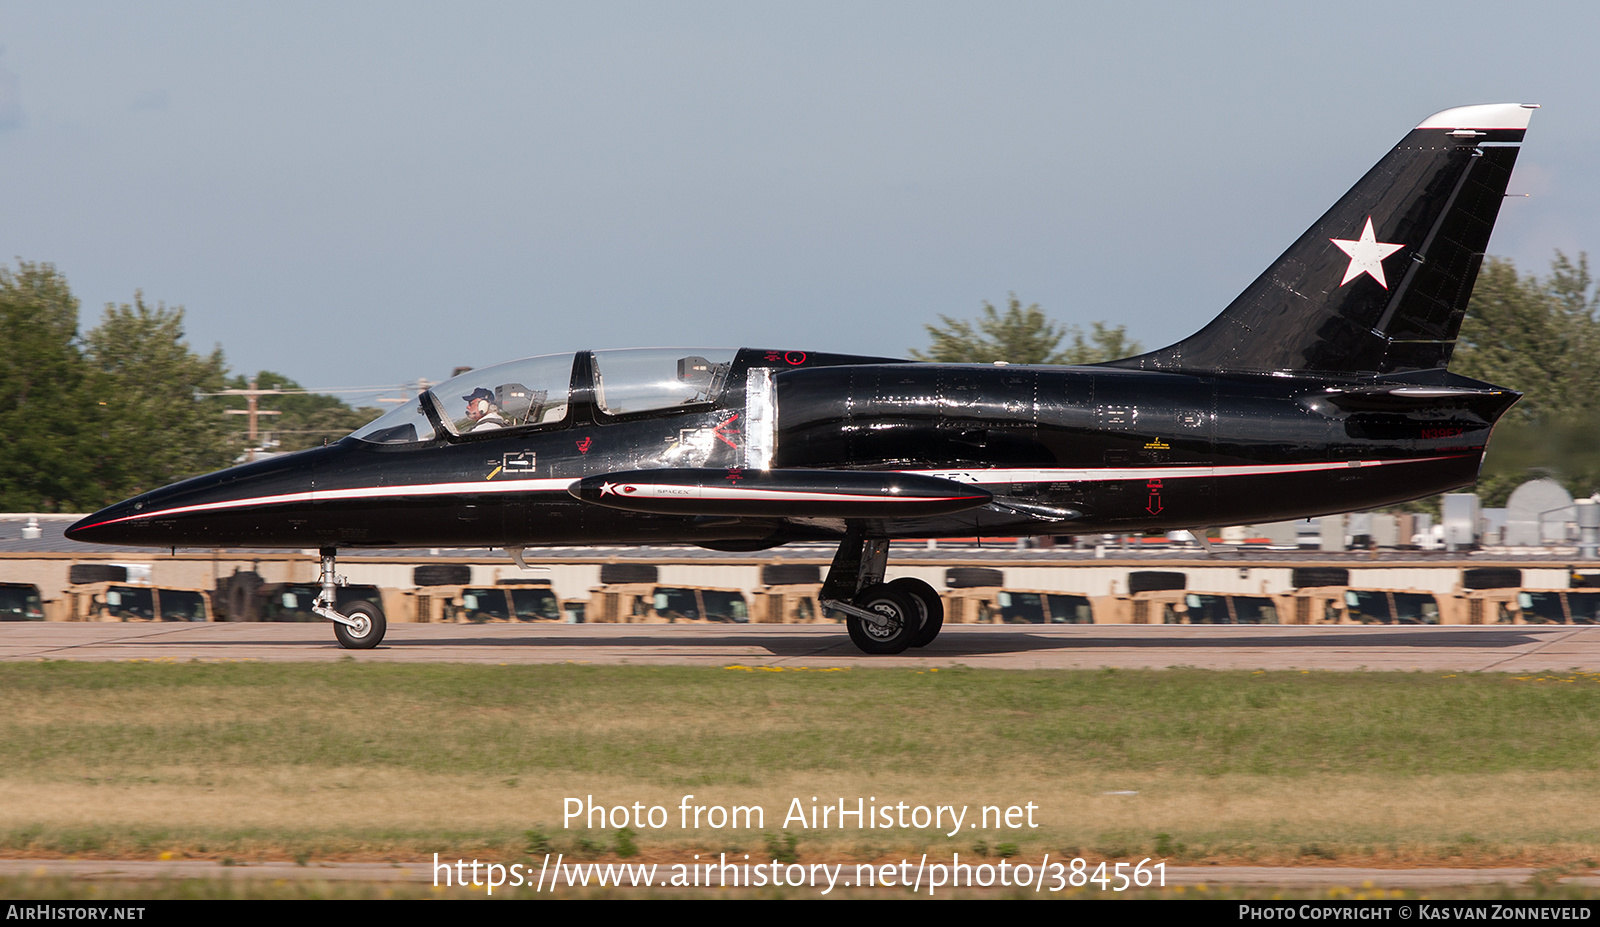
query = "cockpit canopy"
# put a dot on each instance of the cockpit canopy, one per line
(537, 392)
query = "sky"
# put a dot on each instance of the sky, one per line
(365, 194)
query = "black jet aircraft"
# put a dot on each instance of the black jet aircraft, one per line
(1321, 389)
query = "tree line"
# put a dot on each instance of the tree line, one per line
(1022, 335)
(88, 419)
(1540, 336)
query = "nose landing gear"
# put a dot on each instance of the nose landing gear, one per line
(361, 626)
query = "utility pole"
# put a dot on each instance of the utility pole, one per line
(251, 396)
(423, 385)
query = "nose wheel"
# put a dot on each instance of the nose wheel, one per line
(366, 629)
(361, 625)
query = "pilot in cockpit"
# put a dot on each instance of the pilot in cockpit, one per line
(483, 412)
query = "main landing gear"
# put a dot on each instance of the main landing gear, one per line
(881, 617)
(361, 626)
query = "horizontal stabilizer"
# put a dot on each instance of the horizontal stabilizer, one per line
(780, 493)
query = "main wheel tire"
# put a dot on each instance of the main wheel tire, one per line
(369, 634)
(928, 603)
(900, 609)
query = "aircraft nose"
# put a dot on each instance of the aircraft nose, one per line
(221, 509)
(158, 518)
(146, 520)
(107, 526)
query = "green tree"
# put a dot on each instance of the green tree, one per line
(1540, 336)
(1022, 335)
(1105, 343)
(42, 414)
(152, 427)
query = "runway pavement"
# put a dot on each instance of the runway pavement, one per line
(1509, 649)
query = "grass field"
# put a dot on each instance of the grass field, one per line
(362, 761)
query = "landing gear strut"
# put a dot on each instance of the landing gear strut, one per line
(881, 617)
(361, 626)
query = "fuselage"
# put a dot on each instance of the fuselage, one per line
(1063, 450)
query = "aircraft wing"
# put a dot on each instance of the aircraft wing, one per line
(739, 492)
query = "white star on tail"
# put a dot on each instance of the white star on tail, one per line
(1366, 256)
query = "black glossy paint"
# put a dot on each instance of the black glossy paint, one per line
(1307, 396)
(743, 492)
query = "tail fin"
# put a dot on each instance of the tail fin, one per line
(1379, 284)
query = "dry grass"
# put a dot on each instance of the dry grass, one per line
(358, 762)
(1510, 819)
